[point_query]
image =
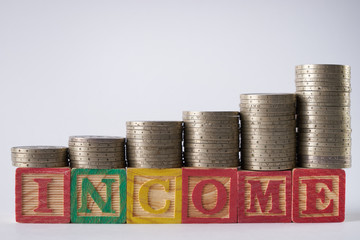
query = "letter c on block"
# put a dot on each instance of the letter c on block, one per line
(221, 196)
(144, 196)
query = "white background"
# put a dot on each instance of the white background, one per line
(86, 67)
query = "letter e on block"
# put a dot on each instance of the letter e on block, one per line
(209, 195)
(98, 195)
(154, 195)
(318, 195)
(264, 196)
(42, 195)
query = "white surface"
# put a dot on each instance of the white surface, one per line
(86, 67)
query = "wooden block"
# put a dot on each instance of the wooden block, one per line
(42, 195)
(209, 195)
(264, 196)
(154, 195)
(98, 195)
(318, 195)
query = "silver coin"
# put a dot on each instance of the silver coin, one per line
(327, 126)
(320, 121)
(325, 158)
(39, 155)
(268, 164)
(97, 149)
(339, 117)
(93, 154)
(253, 155)
(162, 151)
(154, 123)
(198, 113)
(323, 104)
(265, 142)
(328, 89)
(324, 66)
(38, 149)
(322, 71)
(315, 83)
(154, 133)
(95, 145)
(260, 152)
(268, 96)
(96, 139)
(50, 159)
(325, 166)
(201, 165)
(40, 165)
(268, 159)
(261, 168)
(326, 144)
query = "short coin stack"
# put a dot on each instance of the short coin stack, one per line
(97, 152)
(268, 131)
(323, 113)
(39, 156)
(154, 144)
(211, 139)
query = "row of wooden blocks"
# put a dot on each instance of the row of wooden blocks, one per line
(182, 195)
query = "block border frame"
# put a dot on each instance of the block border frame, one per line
(132, 172)
(98, 219)
(318, 172)
(264, 219)
(211, 172)
(42, 219)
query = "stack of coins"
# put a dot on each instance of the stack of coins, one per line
(323, 113)
(154, 144)
(211, 139)
(97, 152)
(39, 156)
(268, 131)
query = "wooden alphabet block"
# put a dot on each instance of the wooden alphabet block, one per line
(318, 195)
(209, 195)
(42, 195)
(98, 195)
(264, 196)
(154, 195)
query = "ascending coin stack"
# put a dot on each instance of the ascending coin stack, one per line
(323, 113)
(154, 144)
(268, 131)
(211, 139)
(97, 152)
(39, 156)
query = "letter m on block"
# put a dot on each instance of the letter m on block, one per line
(264, 196)
(98, 195)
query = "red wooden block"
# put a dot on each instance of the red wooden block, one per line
(209, 195)
(42, 195)
(264, 196)
(318, 195)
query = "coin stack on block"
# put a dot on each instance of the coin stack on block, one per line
(268, 131)
(97, 152)
(323, 115)
(39, 156)
(211, 139)
(154, 144)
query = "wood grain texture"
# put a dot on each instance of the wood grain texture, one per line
(318, 195)
(42, 195)
(264, 196)
(209, 195)
(98, 195)
(154, 195)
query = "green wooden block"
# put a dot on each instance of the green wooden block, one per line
(98, 195)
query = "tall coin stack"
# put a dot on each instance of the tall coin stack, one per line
(211, 139)
(323, 113)
(97, 152)
(268, 131)
(154, 144)
(39, 156)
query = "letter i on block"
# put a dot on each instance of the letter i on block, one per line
(264, 196)
(318, 195)
(209, 195)
(98, 195)
(42, 195)
(154, 195)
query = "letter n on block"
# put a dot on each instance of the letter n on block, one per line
(98, 195)
(154, 195)
(42, 195)
(209, 195)
(318, 195)
(264, 196)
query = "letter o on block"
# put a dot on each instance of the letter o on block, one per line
(209, 195)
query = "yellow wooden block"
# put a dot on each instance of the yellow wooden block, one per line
(154, 195)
